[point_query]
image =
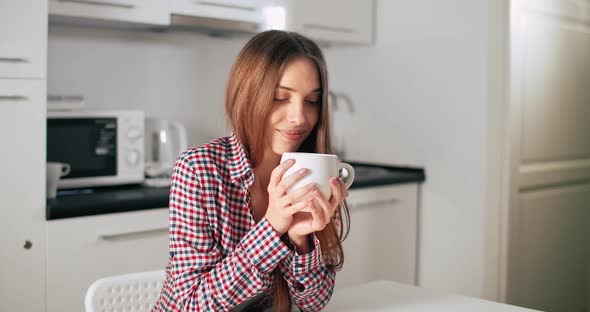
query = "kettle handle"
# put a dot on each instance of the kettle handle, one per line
(182, 140)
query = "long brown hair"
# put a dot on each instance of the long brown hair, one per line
(248, 102)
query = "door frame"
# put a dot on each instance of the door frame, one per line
(498, 162)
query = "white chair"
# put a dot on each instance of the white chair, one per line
(129, 292)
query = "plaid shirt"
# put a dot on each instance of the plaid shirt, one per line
(219, 256)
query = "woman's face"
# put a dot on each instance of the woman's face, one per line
(296, 106)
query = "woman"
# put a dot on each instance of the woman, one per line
(238, 240)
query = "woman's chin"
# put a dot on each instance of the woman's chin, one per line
(279, 150)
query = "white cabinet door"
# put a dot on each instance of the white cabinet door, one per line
(23, 38)
(82, 250)
(382, 241)
(152, 12)
(22, 195)
(337, 21)
(238, 10)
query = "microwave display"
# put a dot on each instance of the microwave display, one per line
(89, 145)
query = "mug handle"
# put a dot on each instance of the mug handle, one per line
(65, 169)
(350, 171)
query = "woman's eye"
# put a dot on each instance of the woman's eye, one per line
(312, 102)
(280, 100)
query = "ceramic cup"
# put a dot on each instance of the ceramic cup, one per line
(322, 168)
(55, 171)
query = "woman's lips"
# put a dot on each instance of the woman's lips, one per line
(292, 135)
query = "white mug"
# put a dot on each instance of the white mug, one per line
(322, 168)
(55, 171)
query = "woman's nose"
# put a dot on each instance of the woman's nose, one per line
(296, 114)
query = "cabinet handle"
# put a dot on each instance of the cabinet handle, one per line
(13, 60)
(226, 6)
(132, 234)
(13, 98)
(362, 205)
(101, 3)
(329, 28)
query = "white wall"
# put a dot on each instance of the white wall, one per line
(420, 95)
(172, 75)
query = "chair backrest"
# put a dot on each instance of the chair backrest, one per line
(128, 292)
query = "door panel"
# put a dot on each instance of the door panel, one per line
(556, 114)
(555, 234)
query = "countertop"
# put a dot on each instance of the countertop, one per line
(86, 202)
(392, 296)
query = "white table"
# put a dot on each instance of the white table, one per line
(392, 296)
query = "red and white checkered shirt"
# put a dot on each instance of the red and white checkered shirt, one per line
(219, 256)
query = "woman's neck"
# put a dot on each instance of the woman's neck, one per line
(259, 190)
(262, 172)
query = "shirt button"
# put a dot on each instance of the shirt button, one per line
(299, 287)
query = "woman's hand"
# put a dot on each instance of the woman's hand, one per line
(282, 206)
(321, 214)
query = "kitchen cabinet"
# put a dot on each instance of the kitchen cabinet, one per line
(236, 10)
(23, 48)
(23, 39)
(150, 12)
(332, 21)
(82, 250)
(22, 195)
(381, 244)
(218, 15)
(382, 241)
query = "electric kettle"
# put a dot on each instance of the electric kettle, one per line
(165, 140)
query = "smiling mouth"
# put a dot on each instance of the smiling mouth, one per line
(292, 135)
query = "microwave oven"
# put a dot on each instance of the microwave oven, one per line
(101, 147)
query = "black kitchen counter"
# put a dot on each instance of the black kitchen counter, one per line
(86, 202)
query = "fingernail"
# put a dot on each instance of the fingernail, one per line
(291, 161)
(303, 171)
(311, 186)
(317, 192)
(333, 181)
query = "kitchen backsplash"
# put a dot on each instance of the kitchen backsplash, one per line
(172, 75)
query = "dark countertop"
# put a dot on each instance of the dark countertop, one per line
(86, 202)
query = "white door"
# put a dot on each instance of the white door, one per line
(549, 218)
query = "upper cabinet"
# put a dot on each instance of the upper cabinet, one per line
(237, 10)
(150, 12)
(222, 15)
(23, 39)
(332, 21)
(327, 21)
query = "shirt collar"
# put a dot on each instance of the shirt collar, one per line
(239, 164)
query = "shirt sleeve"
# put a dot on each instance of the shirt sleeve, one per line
(200, 277)
(310, 281)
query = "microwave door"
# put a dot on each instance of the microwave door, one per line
(88, 145)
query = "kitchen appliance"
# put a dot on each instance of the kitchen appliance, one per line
(337, 113)
(165, 140)
(101, 147)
